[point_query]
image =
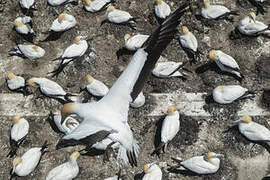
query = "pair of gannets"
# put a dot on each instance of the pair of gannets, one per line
(208, 163)
(112, 123)
(23, 26)
(96, 5)
(75, 50)
(152, 172)
(67, 170)
(162, 9)
(16, 83)
(28, 51)
(23, 166)
(19, 131)
(228, 94)
(225, 62)
(61, 2)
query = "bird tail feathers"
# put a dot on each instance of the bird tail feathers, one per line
(129, 156)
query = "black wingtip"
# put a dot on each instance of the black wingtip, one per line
(44, 146)
(132, 158)
(158, 149)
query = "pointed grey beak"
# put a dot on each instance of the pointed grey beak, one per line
(219, 155)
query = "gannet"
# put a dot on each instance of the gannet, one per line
(139, 101)
(152, 172)
(225, 62)
(252, 130)
(189, 44)
(67, 170)
(119, 17)
(61, 2)
(230, 93)
(168, 69)
(19, 131)
(63, 22)
(169, 129)
(216, 11)
(23, 166)
(162, 9)
(27, 4)
(71, 53)
(28, 51)
(96, 5)
(50, 88)
(108, 116)
(23, 26)
(96, 87)
(135, 42)
(16, 83)
(259, 4)
(206, 164)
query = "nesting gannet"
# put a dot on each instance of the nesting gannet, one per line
(189, 43)
(108, 116)
(67, 170)
(23, 26)
(135, 42)
(168, 69)
(61, 2)
(96, 87)
(119, 17)
(225, 62)
(71, 53)
(206, 164)
(19, 131)
(162, 9)
(139, 101)
(252, 130)
(251, 27)
(63, 22)
(50, 88)
(152, 172)
(27, 4)
(96, 5)
(28, 51)
(228, 94)
(16, 83)
(23, 166)
(216, 11)
(169, 129)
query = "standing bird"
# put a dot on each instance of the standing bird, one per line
(23, 26)
(28, 51)
(189, 44)
(206, 164)
(117, 16)
(152, 172)
(139, 101)
(16, 83)
(168, 69)
(253, 131)
(67, 170)
(108, 117)
(95, 87)
(50, 89)
(228, 94)
(216, 12)
(135, 42)
(169, 129)
(23, 166)
(62, 2)
(225, 62)
(162, 10)
(71, 53)
(19, 131)
(96, 5)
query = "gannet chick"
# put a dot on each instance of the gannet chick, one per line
(23, 166)
(71, 53)
(216, 11)
(28, 51)
(96, 87)
(16, 83)
(50, 88)
(117, 16)
(252, 130)
(23, 26)
(249, 26)
(67, 170)
(139, 101)
(169, 129)
(115, 105)
(67, 126)
(189, 44)
(225, 62)
(19, 131)
(152, 172)
(162, 9)
(168, 69)
(228, 94)
(135, 42)
(96, 5)
(206, 164)
(61, 2)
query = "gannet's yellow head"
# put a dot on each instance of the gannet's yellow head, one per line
(62, 17)
(17, 23)
(127, 37)
(89, 79)
(252, 15)
(88, 2)
(77, 39)
(246, 119)
(74, 156)
(110, 8)
(159, 2)
(17, 160)
(213, 55)
(221, 87)
(67, 109)
(185, 30)
(172, 109)
(10, 75)
(31, 81)
(15, 120)
(35, 47)
(206, 4)
(146, 169)
(209, 156)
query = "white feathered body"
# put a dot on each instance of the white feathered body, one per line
(49, 87)
(19, 130)
(66, 24)
(97, 5)
(189, 41)
(228, 94)
(75, 50)
(214, 11)
(59, 2)
(29, 52)
(118, 16)
(16, 83)
(97, 88)
(155, 174)
(250, 27)
(170, 127)
(164, 69)
(25, 28)
(162, 10)
(62, 127)
(139, 101)
(136, 42)
(27, 4)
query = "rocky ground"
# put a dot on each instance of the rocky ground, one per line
(198, 134)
